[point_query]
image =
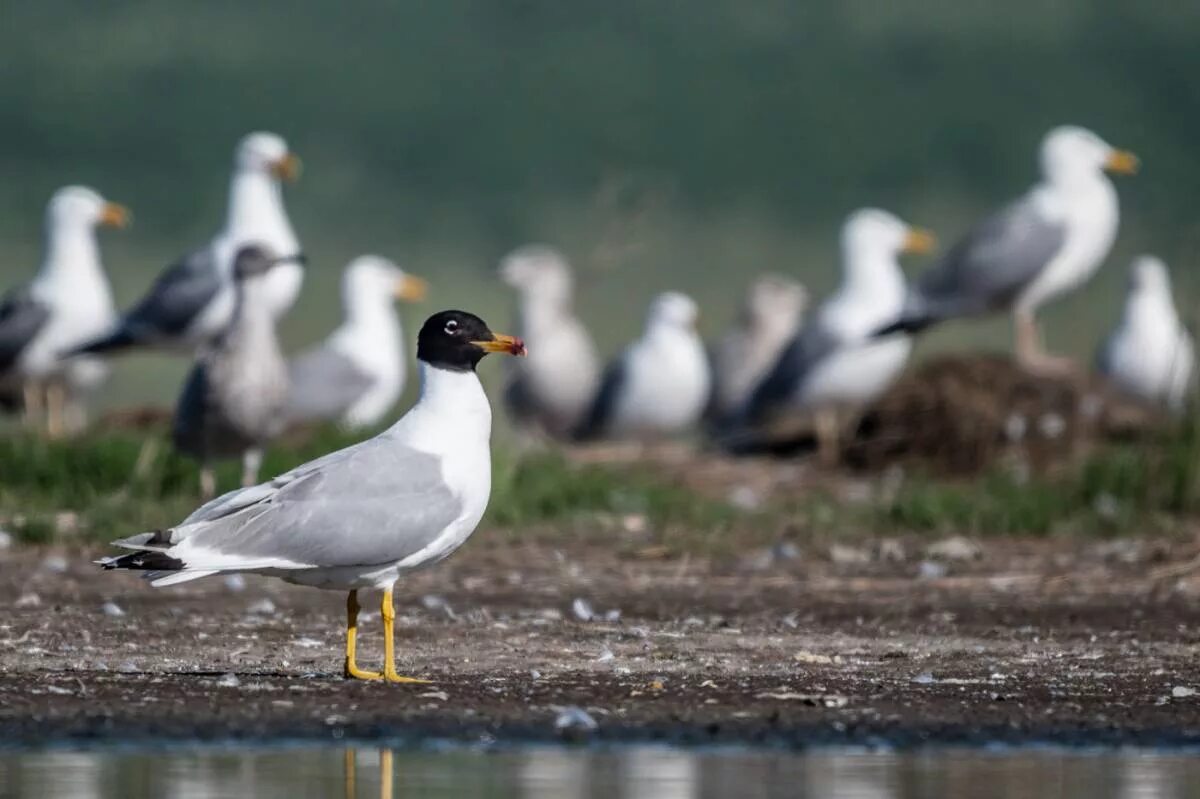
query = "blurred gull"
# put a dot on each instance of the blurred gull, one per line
(835, 364)
(551, 390)
(770, 316)
(660, 384)
(234, 399)
(193, 300)
(1047, 243)
(360, 517)
(68, 302)
(356, 375)
(1150, 355)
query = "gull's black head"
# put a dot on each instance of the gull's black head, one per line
(458, 340)
(257, 259)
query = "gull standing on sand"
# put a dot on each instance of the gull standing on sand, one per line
(234, 399)
(361, 517)
(1046, 244)
(1150, 355)
(193, 300)
(836, 365)
(552, 389)
(770, 317)
(356, 375)
(67, 303)
(659, 386)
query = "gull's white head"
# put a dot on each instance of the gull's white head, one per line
(539, 272)
(673, 309)
(79, 206)
(775, 299)
(370, 280)
(870, 233)
(1149, 274)
(1071, 153)
(266, 153)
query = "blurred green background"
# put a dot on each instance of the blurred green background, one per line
(661, 144)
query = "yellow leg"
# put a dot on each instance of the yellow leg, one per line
(386, 774)
(352, 669)
(348, 774)
(389, 653)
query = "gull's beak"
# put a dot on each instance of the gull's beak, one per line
(410, 288)
(510, 345)
(114, 215)
(286, 168)
(1122, 162)
(919, 241)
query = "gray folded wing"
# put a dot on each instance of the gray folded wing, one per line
(177, 296)
(21, 317)
(993, 263)
(786, 379)
(325, 384)
(604, 406)
(374, 503)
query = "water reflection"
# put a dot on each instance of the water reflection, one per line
(627, 773)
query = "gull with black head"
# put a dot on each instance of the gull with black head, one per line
(361, 517)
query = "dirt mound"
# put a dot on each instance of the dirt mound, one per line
(960, 414)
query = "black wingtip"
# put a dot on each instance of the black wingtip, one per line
(118, 340)
(910, 325)
(142, 561)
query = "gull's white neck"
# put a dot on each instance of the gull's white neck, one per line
(542, 311)
(72, 261)
(256, 212)
(873, 275)
(452, 413)
(371, 333)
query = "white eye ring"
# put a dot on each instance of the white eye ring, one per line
(451, 326)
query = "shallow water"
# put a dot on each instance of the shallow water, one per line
(626, 772)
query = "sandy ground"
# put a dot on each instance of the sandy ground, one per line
(1018, 641)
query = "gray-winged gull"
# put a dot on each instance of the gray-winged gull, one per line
(68, 302)
(551, 390)
(771, 314)
(1150, 354)
(1045, 244)
(234, 399)
(836, 364)
(192, 300)
(356, 375)
(659, 386)
(361, 517)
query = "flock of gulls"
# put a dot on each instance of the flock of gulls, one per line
(360, 517)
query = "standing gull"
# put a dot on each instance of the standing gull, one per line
(551, 390)
(835, 365)
(233, 401)
(771, 314)
(193, 300)
(356, 375)
(67, 303)
(360, 517)
(1046, 244)
(1150, 355)
(660, 384)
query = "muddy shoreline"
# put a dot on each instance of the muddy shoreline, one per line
(1024, 642)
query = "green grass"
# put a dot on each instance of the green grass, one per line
(1123, 488)
(90, 489)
